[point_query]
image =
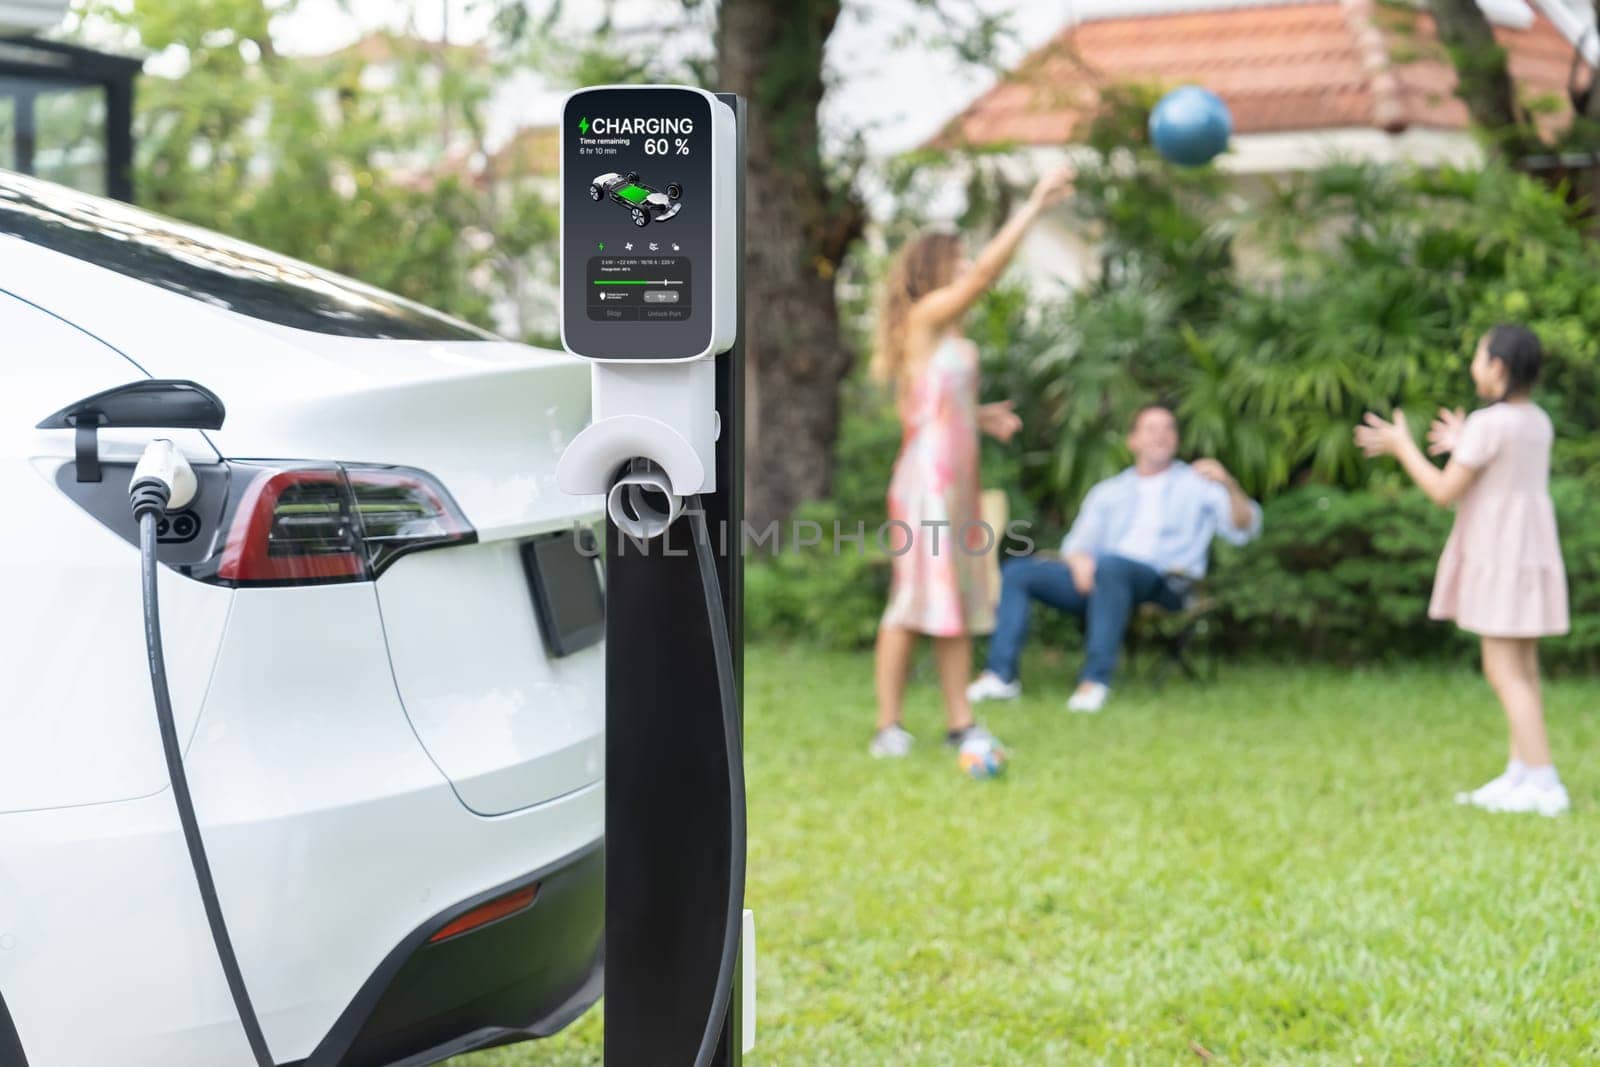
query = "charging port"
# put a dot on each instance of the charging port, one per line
(178, 529)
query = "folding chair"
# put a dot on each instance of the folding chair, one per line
(1172, 634)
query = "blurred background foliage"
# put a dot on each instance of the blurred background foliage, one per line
(366, 160)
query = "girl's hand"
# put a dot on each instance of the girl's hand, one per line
(1378, 438)
(1445, 433)
(1053, 187)
(999, 420)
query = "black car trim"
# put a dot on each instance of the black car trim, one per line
(11, 1052)
(494, 1036)
(337, 1044)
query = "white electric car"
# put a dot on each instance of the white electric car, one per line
(382, 626)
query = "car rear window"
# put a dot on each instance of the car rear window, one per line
(214, 269)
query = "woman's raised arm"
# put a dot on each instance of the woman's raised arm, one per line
(946, 305)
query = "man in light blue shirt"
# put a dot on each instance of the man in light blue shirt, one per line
(1142, 536)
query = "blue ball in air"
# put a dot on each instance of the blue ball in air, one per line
(1190, 126)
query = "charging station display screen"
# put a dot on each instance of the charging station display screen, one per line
(636, 223)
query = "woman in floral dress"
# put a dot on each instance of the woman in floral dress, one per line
(936, 538)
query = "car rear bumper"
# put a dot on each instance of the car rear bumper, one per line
(523, 976)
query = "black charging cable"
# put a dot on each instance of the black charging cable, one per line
(149, 498)
(722, 649)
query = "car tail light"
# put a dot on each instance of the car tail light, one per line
(401, 510)
(333, 523)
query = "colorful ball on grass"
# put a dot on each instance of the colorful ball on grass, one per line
(981, 757)
(1190, 126)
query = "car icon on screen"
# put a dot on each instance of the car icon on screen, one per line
(645, 203)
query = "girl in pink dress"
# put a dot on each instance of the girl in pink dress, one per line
(935, 537)
(1501, 575)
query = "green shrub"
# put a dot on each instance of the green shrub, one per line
(811, 594)
(1335, 573)
(1347, 575)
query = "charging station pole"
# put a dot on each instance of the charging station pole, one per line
(674, 398)
(726, 512)
(666, 782)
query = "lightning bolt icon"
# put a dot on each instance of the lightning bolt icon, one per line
(583, 125)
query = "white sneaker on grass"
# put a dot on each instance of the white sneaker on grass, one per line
(1528, 797)
(891, 742)
(990, 686)
(1089, 698)
(1491, 791)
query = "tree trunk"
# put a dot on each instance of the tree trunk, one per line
(799, 227)
(1483, 78)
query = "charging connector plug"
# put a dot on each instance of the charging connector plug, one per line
(162, 481)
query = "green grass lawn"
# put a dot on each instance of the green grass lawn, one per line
(1268, 869)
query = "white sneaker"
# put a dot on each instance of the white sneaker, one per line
(1547, 800)
(892, 742)
(1089, 698)
(989, 686)
(1491, 791)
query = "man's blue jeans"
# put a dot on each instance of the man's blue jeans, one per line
(1120, 585)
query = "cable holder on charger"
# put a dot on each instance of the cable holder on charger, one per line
(662, 413)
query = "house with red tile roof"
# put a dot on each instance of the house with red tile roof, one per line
(1365, 75)
(1307, 81)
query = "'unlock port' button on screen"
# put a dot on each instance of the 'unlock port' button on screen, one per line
(638, 288)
